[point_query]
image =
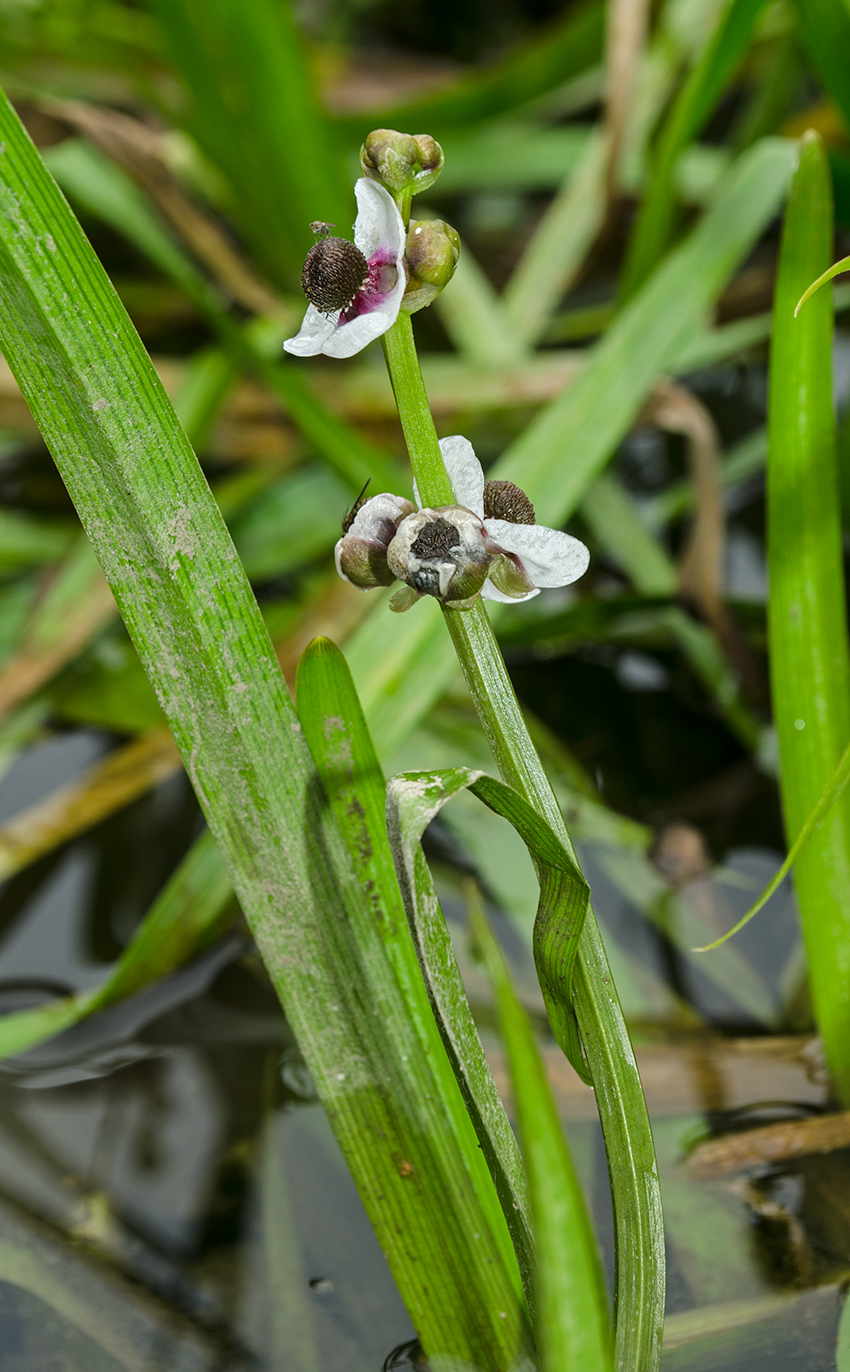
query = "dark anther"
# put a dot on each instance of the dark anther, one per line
(504, 500)
(352, 513)
(333, 274)
(436, 540)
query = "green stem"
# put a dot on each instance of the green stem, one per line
(415, 414)
(633, 1171)
(632, 1168)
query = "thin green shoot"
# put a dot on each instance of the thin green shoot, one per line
(835, 270)
(815, 819)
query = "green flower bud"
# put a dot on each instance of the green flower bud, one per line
(431, 252)
(401, 161)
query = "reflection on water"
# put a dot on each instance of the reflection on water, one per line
(172, 1198)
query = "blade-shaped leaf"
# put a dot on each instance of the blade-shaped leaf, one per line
(413, 799)
(339, 739)
(255, 113)
(809, 664)
(189, 608)
(690, 111)
(573, 1326)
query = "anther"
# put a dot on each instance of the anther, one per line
(504, 500)
(333, 273)
(436, 539)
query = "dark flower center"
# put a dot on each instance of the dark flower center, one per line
(436, 540)
(333, 274)
(504, 500)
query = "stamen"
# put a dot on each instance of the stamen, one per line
(436, 540)
(334, 272)
(504, 500)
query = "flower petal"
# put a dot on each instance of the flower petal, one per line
(464, 471)
(316, 329)
(354, 336)
(378, 224)
(377, 514)
(550, 558)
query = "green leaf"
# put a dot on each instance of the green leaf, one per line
(335, 727)
(558, 246)
(26, 541)
(254, 112)
(810, 669)
(572, 1324)
(834, 270)
(825, 28)
(413, 799)
(690, 111)
(188, 606)
(842, 1352)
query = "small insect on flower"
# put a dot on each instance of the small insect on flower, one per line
(349, 518)
(355, 289)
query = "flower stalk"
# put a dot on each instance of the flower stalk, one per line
(639, 1279)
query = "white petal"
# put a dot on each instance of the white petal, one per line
(353, 337)
(316, 329)
(465, 473)
(378, 222)
(491, 592)
(551, 558)
(377, 511)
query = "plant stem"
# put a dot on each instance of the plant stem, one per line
(415, 414)
(633, 1171)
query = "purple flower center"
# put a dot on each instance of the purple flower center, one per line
(382, 278)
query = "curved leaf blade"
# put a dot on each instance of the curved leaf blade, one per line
(573, 1327)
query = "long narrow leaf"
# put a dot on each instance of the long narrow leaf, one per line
(810, 670)
(255, 113)
(189, 608)
(573, 1328)
(690, 111)
(348, 764)
(413, 799)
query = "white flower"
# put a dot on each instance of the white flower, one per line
(373, 307)
(361, 553)
(525, 557)
(457, 552)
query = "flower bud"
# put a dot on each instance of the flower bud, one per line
(401, 161)
(432, 252)
(440, 552)
(361, 553)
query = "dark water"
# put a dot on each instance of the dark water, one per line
(171, 1196)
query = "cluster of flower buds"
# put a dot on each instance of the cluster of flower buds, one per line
(487, 544)
(356, 290)
(402, 161)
